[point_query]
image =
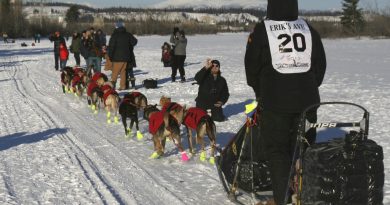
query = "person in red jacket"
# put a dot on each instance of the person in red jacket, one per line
(64, 54)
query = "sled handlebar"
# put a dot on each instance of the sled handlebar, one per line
(305, 125)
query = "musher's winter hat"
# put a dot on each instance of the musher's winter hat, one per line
(282, 10)
(216, 62)
(119, 24)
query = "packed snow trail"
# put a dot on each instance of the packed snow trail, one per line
(91, 159)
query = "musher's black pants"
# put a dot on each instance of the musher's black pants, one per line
(279, 131)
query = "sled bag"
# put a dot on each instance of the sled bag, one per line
(150, 83)
(230, 157)
(343, 171)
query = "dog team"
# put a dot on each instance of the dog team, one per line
(164, 123)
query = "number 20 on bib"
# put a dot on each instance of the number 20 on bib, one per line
(290, 45)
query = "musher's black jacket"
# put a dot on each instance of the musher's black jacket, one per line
(279, 92)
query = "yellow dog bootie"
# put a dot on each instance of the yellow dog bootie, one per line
(139, 135)
(202, 156)
(155, 155)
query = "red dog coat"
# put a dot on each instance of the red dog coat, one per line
(155, 121)
(193, 117)
(92, 85)
(171, 106)
(107, 90)
(98, 75)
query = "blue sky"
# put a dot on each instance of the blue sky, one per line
(303, 4)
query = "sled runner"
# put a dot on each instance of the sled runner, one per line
(241, 166)
(344, 170)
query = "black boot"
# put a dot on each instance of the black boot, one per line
(113, 84)
(173, 79)
(127, 85)
(183, 79)
(133, 83)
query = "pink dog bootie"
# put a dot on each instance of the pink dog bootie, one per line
(184, 156)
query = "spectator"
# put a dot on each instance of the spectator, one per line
(39, 37)
(179, 40)
(100, 38)
(166, 54)
(57, 39)
(213, 91)
(121, 53)
(5, 37)
(64, 55)
(83, 50)
(75, 47)
(284, 67)
(92, 52)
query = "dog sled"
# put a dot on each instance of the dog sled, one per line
(345, 169)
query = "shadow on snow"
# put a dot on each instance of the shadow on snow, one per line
(234, 109)
(19, 138)
(27, 52)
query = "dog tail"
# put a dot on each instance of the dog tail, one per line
(211, 129)
(144, 101)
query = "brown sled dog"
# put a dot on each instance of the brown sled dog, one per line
(172, 108)
(137, 99)
(163, 126)
(94, 92)
(111, 101)
(197, 119)
(66, 79)
(78, 84)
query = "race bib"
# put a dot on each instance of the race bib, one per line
(290, 45)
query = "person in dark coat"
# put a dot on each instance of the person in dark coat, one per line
(121, 52)
(75, 47)
(285, 64)
(213, 90)
(92, 52)
(57, 39)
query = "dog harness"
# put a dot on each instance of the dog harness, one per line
(92, 85)
(171, 106)
(127, 101)
(76, 70)
(76, 80)
(135, 94)
(98, 75)
(194, 116)
(155, 121)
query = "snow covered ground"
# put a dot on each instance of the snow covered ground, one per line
(53, 150)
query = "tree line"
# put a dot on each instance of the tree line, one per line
(353, 22)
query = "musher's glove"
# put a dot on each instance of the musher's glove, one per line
(250, 108)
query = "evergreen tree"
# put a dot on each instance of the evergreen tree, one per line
(5, 11)
(352, 18)
(73, 14)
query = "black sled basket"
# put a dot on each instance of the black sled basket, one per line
(241, 164)
(346, 170)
